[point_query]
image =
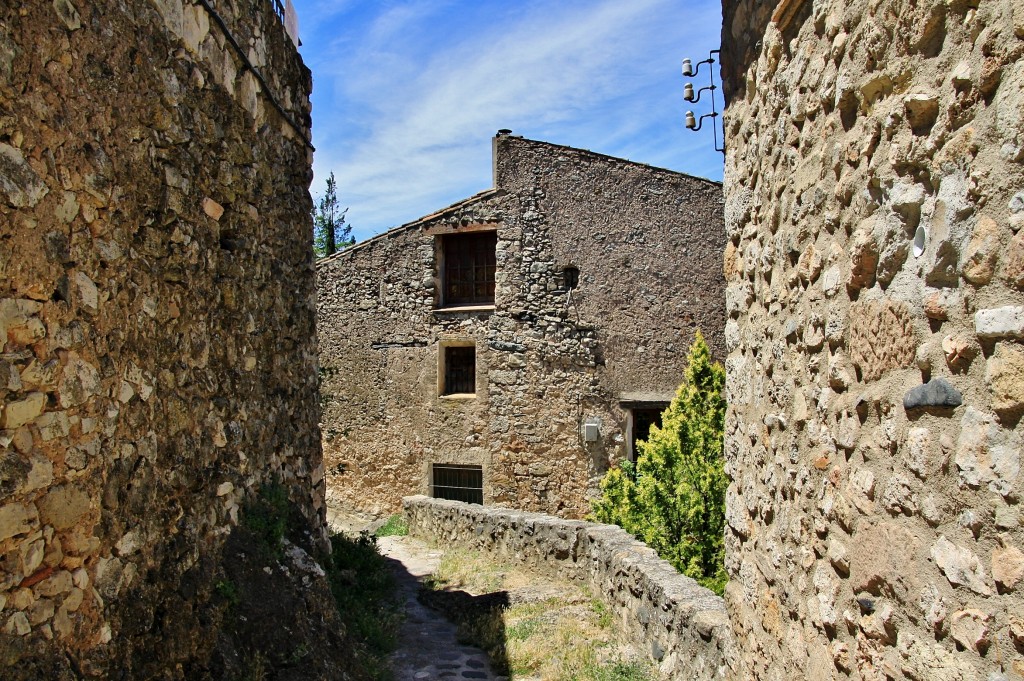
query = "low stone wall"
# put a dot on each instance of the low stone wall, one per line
(683, 626)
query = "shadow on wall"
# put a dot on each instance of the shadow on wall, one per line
(741, 21)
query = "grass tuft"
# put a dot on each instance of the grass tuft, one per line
(227, 590)
(394, 527)
(566, 636)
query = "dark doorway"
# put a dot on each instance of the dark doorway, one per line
(641, 420)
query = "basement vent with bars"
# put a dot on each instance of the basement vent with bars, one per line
(458, 483)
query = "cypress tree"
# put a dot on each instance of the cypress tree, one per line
(673, 499)
(330, 231)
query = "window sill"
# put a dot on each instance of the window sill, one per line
(458, 396)
(464, 308)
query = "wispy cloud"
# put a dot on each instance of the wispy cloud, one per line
(406, 99)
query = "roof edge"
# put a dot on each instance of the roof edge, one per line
(609, 157)
(476, 198)
(488, 193)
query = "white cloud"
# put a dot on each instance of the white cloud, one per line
(410, 108)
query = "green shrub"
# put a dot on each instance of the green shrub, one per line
(673, 499)
(363, 586)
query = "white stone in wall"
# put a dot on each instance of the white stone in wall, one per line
(1000, 322)
(20, 186)
(986, 453)
(960, 566)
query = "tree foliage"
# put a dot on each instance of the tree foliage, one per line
(673, 498)
(330, 231)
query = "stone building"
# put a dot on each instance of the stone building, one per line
(508, 348)
(157, 348)
(875, 297)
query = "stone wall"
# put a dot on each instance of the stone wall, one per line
(156, 321)
(646, 242)
(875, 265)
(680, 624)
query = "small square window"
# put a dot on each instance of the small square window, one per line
(459, 370)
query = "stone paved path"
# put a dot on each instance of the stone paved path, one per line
(428, 648)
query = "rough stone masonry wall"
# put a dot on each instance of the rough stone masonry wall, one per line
(681, 625)
(644, 241)
(875, 269)
(156, 321)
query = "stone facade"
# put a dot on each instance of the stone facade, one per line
(646, 243)
(874, 203)
(682, 626)
(156, 320)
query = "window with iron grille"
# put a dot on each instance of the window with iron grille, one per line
(459, 370)
(469, 266)
(458, 483)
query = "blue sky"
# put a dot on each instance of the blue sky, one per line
(408, 93)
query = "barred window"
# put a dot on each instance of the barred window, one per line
(458, 483)
(469, 266)
(459, 370)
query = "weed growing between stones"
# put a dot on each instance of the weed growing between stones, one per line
(604, 613)
(530, 627)
(394, 527)
(227, 590)
(623, 671)
(267, 518)
(364, 589)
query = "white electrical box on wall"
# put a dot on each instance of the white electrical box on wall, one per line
(591, 431)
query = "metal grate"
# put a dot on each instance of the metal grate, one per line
(469, 266)
(285, 11)
(459, 370)
(458, 483)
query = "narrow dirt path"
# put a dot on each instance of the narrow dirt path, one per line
(428, 647)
